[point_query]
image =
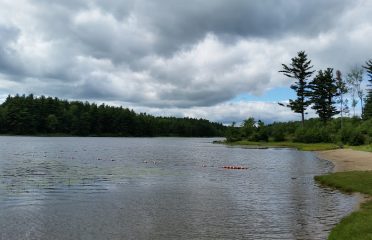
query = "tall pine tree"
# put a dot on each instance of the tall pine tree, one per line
(368, 102)
(300, 70)
(324, 89)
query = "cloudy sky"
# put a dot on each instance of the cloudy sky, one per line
(212, 59)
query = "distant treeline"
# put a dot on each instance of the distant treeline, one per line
(29, 115)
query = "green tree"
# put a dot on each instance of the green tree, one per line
(300, 70)
(261, 132)
(232, 133)
(324, 89)
(248, 127)
(368, 102)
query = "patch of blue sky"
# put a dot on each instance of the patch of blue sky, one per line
(274, 95)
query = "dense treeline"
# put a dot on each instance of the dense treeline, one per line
(355, 131)
(29, 115)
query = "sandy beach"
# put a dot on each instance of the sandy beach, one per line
(348, 159)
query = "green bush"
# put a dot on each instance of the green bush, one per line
(260, 136)
(233, 134)
(312, 135)
(344, 134)
(278, 135)
(356, 138)
(366, 127)
(353, 135)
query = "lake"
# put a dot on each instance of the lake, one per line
(161, 188)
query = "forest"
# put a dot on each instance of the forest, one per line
(30, 115)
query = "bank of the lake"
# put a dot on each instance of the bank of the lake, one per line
(348, 159)
(352, 173)
(286, 144)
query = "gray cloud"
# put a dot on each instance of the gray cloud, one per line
(178, 22)
(173, 55)
(7, 56)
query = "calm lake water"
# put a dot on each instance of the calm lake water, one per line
(157, 188)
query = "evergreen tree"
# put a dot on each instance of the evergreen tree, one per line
(368, 102)
(300, 70)
(324, 89)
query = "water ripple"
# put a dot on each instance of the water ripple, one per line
(161, 188)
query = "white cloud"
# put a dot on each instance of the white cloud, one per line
(229, 112)
(166, 58)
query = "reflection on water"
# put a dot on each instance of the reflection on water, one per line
(159, 188)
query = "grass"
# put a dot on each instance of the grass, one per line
(353, 181)
(357, 225)
(299, 146)
(366, 148)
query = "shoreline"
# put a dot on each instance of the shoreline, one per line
(345, 160)
(352, 173)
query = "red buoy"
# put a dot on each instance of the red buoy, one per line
(235, 167)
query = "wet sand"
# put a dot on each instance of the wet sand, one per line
(348, 159)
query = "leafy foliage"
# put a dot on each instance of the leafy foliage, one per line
(355, 131)
(248, 127)
(312, 135)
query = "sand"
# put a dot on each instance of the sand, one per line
(348, 159)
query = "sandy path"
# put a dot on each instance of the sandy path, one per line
(348, 159)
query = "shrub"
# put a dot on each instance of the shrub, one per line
(260, 136)
(344, 134)
(312, 135)
(278, 135)
(366, 127)
(356, 138)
